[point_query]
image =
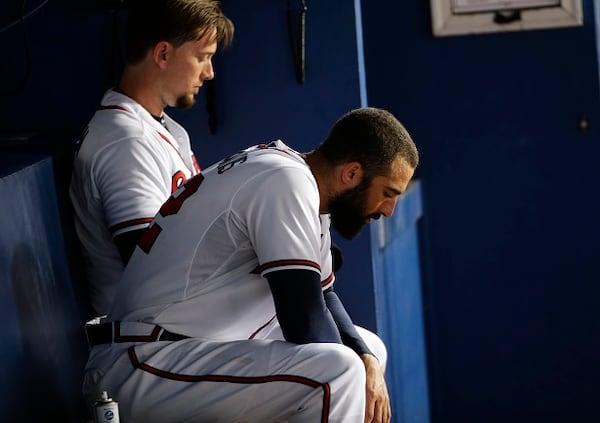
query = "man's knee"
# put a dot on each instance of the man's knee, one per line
(346, 364)
(375, 344)
(379, 350)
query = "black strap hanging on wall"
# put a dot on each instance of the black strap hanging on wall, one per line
(297, 39)
(211, 105)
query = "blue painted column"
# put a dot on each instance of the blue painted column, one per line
(398, 307)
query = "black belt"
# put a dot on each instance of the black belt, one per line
(108, 332)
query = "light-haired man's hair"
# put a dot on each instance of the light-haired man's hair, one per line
(174, 21)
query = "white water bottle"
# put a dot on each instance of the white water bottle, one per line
(106, 410)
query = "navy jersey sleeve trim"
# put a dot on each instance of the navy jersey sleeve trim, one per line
(282, 263)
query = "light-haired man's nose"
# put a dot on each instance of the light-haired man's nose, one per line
(208, 72)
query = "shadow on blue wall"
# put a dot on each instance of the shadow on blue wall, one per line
(43, 349)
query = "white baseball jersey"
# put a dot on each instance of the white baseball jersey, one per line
(126, 167)
(253, 213)
(198, 271)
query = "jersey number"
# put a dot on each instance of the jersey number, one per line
(177, 180)
(228, 162)
(170, 207)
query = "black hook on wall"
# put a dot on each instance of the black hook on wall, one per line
(297, 39)
(506, 17)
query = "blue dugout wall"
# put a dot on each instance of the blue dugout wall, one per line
(510, 222)
(508, 180)
(43, 348)
(399, 306)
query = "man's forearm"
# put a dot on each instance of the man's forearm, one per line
(348, 332)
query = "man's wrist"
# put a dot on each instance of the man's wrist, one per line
(368, 357)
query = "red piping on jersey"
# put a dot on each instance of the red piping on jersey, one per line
(164, 137)
(135, 338)
(195, 163)
(237, 379)
(129, 223)
(289, 262)
(327, 281)
(113, 107)
(262, 327)
(269, 147)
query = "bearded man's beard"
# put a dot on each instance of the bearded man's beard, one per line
(347, 210)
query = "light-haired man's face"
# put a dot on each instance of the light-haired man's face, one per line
(191, 65)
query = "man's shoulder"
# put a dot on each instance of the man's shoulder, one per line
(119, 112)
(277, 171)
(278, 156)
(119, 109)
(113, 126)
(104, 134)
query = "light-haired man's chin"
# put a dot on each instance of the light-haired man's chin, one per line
(185, 102)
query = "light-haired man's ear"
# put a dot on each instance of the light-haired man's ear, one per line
(160, 53)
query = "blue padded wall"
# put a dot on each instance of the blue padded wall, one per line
(398, 305)
(510, 230)
(43, 348)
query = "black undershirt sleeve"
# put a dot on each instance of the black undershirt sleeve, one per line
(348, 332)
(300, 306)
(126, 243)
